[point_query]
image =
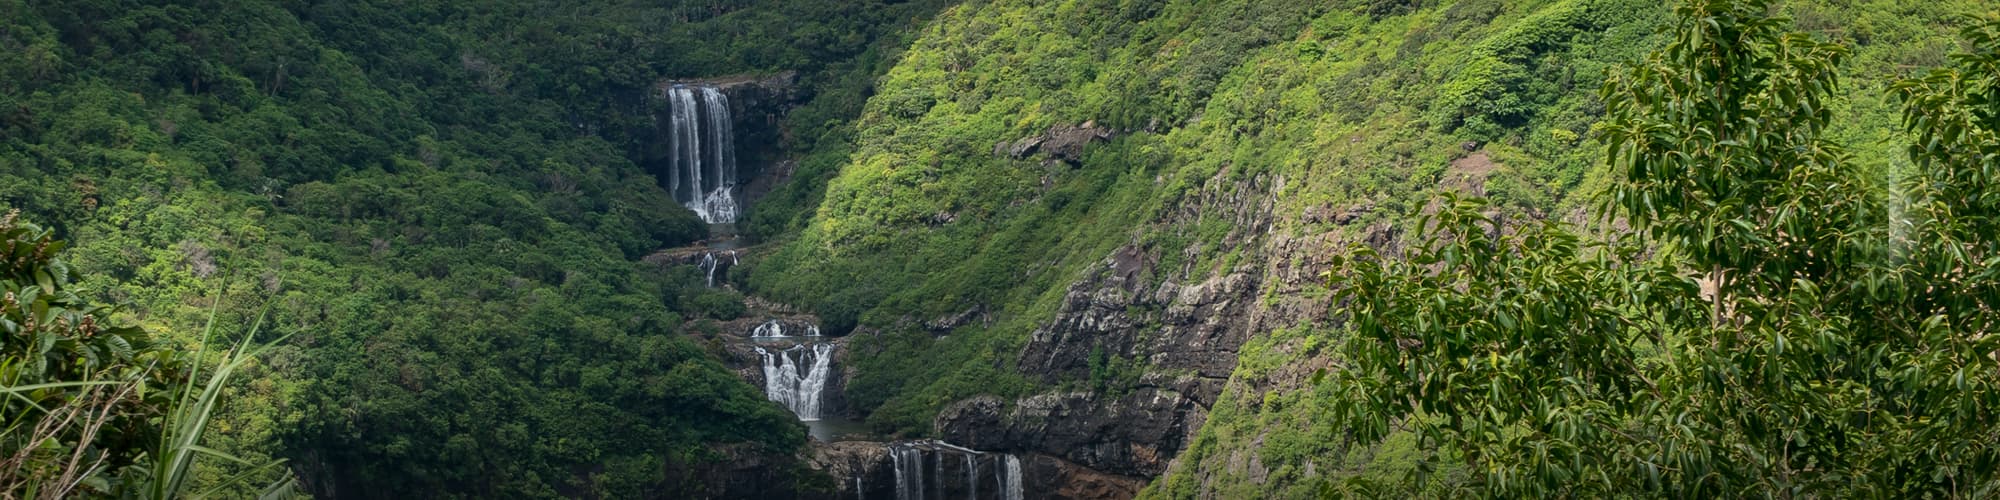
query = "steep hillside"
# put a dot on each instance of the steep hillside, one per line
(1101, 225)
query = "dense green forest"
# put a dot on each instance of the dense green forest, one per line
(1573, 248)
(437, 201)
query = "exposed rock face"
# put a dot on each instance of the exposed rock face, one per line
(745, 472)
(1468, 175)
(1057, 479)
(1062, 143)
(1148, 347)
(769, 178)
(861, 469)
(1129, 436)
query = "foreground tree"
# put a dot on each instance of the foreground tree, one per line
(93, 407)
(1775, 324)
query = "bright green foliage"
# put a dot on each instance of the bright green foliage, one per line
(1231, 456)
(52, 333)
(1718, 142)
(73, 350)
(1212, 103)
(1521, 354)
(93, 406)
(1839, 350)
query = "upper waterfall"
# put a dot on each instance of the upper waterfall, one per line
(702, 170)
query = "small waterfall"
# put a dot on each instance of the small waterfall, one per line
(773, 329)
(703, 153)
(708, 265)
(1000, 477)
(914, 483)
(972, 476)
(769, 330)
(909, 472)
(711, 264)
(1013, 484)
(937, 471)
(799, 383)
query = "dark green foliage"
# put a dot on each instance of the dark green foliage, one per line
(447, 195)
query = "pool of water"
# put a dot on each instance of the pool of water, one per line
(837, 428)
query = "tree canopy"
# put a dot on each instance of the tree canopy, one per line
(1775, 322)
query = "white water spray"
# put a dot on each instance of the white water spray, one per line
(703, 153)
(796, 377)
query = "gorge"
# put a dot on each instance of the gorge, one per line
(1003, 249)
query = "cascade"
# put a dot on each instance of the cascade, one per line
(770, 329)
(909, 472)
(913, 482)
(773, 329)
(702, 151)
(972, 476)
(799, 383)
(710, 264)
(1000, 477)
(1013, 484)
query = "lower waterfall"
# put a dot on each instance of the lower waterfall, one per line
(922, 470)
(1013, 491)
(798, 382)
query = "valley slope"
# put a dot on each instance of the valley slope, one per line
(1103, 226)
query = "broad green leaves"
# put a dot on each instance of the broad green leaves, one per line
(1834, 346)
(1522, 349)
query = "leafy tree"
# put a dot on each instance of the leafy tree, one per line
(59, 350)
(93, 405)
(1776, 323)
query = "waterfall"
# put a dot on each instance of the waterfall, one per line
(1013, 484)
(909, 472)
(773, 329)
(770, 329)
(972, 476)
(937, 471)
(703, 153)
(711, 264)
(895, 459)
(1000, 477)
(913, 482)
(799, 383)
(708, 265)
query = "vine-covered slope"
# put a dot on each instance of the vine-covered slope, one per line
(1020, 151)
